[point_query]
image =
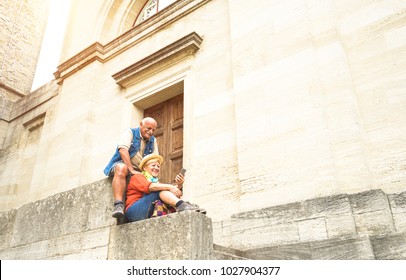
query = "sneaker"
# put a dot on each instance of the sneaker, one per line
(200, 209)
(118, 211)
(186, 206)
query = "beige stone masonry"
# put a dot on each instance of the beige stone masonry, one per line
(103, 53)
(155, 62)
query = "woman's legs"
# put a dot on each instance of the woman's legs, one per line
(168, 198)
(140, 209)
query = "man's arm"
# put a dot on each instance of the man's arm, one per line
(125, 156)
(155, 147)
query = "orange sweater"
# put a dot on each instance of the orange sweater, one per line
(137, 187)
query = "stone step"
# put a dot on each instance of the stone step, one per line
(77, 224)
(226, 253)
(384, 247)
(337, 217)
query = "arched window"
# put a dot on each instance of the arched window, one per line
(151, 8)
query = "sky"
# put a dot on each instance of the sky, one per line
(52, 43)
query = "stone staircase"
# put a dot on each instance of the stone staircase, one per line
(226, 253)
(77, 224)
(366, 225)
(387, 247)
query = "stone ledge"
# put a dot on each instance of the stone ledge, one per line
(352, 248)
(390, 247)
(382, 247)
(157, 61)
(179, 236)
(186, 235)
(364, 214)
(81, 209)
(7, 220)
(77, 224)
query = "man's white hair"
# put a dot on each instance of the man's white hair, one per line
(148, 119)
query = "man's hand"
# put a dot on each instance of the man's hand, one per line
(133, 172)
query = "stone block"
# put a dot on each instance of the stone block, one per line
(218, 255)
(342, 249)
(299, 251)
(312, 229)
(391, 247)
(400, 222)
(372, 213)
(34, 251)
(398, 206)
(340, 226)
(374, 223)
(222, 232)
(327, 206)
(397, 202)
(286, 213)
(77, 244)
(265, 236)
(313, 219)
(95, 238)
(78, 210)
(368, 201)
(100, 203)
(64, 245)
(99, 253)
(226, 253)
(6, 228)
(186, 235)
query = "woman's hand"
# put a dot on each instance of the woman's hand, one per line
(179, 179)
(176, 191)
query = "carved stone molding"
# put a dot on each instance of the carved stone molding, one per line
(159, 60)
(103, 53)
(12, 90)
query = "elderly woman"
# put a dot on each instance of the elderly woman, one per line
(144, 188)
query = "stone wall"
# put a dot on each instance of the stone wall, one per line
(26, 131)
(365, 225)
(22, 26)
(283, 102)
(77, 224)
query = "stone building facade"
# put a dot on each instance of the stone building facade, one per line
(22, 27)
(269, 105)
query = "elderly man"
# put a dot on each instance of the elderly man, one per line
(135, 143)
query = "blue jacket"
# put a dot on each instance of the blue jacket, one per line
(134, 148)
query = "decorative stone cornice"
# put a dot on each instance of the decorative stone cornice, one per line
(166, 56)
(103, 53)
(37, 102)
(12, 90)
(85, 57)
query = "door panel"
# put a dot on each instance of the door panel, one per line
(169, 134)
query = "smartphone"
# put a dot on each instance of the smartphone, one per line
(183, 171)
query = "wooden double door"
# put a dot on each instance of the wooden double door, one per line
(169, 134)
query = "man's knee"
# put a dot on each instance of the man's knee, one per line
(120, 170)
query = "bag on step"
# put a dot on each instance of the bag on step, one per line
(161, 209)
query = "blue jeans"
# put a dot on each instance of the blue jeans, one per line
(141, 209)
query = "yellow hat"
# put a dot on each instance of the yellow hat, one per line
(150, 157)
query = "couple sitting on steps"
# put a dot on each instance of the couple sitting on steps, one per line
(137, 156)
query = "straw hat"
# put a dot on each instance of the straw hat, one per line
(150, 157)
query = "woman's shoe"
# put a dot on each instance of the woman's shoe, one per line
(186, 206)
